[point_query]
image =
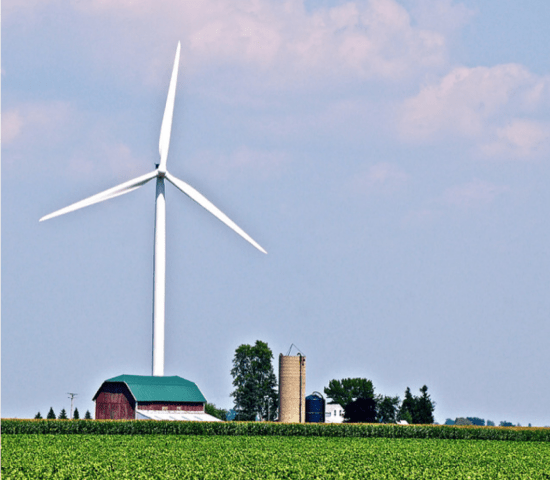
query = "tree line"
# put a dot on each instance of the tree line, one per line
(479, 422)
(63, 415)
(256, 397)
(362, 405)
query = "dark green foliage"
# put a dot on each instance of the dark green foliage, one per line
(463, 421)
(76, 415)
(51, 414)
(255, 382)
(38, 416)
(480, 422)
(424, 408)
(386, 409)
(362, 410)
(87, 415)
(506, 424)
(406, 411)
(347, 390)
(152, 427)
(449, 422)
(62, 415)
(490, 423)
(231, 414)
(356, 396)
(211, 409)
(417, 410)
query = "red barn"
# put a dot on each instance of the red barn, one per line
(129, 397)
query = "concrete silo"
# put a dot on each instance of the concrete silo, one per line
(292, 387)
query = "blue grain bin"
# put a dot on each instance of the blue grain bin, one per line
(315, 408)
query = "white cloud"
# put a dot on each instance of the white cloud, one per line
(12, 124)
(463, 100)
(482, 104)
(473, 194)
(30, 120)
(522, 139)
(34, 134)
(380, 178)
(360, 39)
(445, 16)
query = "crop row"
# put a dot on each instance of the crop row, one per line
(240, 457)
(151, 427)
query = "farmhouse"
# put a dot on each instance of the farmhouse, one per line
(129, 397)
(334, 413)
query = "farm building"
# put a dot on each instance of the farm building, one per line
(334, 413)
(292, 387)
(129, 397)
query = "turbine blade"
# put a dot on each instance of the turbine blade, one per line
(205, 203)
(166, 128)
(121, 189)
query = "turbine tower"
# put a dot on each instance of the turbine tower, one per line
(161, 174)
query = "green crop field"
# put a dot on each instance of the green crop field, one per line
(257, 457)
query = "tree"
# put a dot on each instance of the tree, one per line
(356, 396)
(255, 382)
(231, 415)
(76, 415)
(407, 409)
(347, 390)
(506, 424)
(362, 410)
(424, 408)
(87, 415)
(490, 423)
(480, 422)
(211, 409)
(386, 409)
(38, 416)
(62, 415)
(417, 409)
(463, 421)
(51, 414)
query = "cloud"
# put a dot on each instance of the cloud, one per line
(481, 104)
(361, 39)
(35, 134)
(521, 139)
(444, 16)
(381, 178)
(473, 194)
(28, 121)
(12, 124)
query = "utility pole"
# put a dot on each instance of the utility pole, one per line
(72, 395)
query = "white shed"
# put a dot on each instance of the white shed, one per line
(334, 413)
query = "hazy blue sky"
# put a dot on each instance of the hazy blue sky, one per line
(391, 156)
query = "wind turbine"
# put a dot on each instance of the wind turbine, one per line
(161, 174)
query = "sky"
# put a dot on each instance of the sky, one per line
(392, 157)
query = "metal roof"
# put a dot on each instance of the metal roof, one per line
(177, 416)
(158, 389)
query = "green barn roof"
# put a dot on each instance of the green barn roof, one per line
(159, 389)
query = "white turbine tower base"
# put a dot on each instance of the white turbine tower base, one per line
(159, 273)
